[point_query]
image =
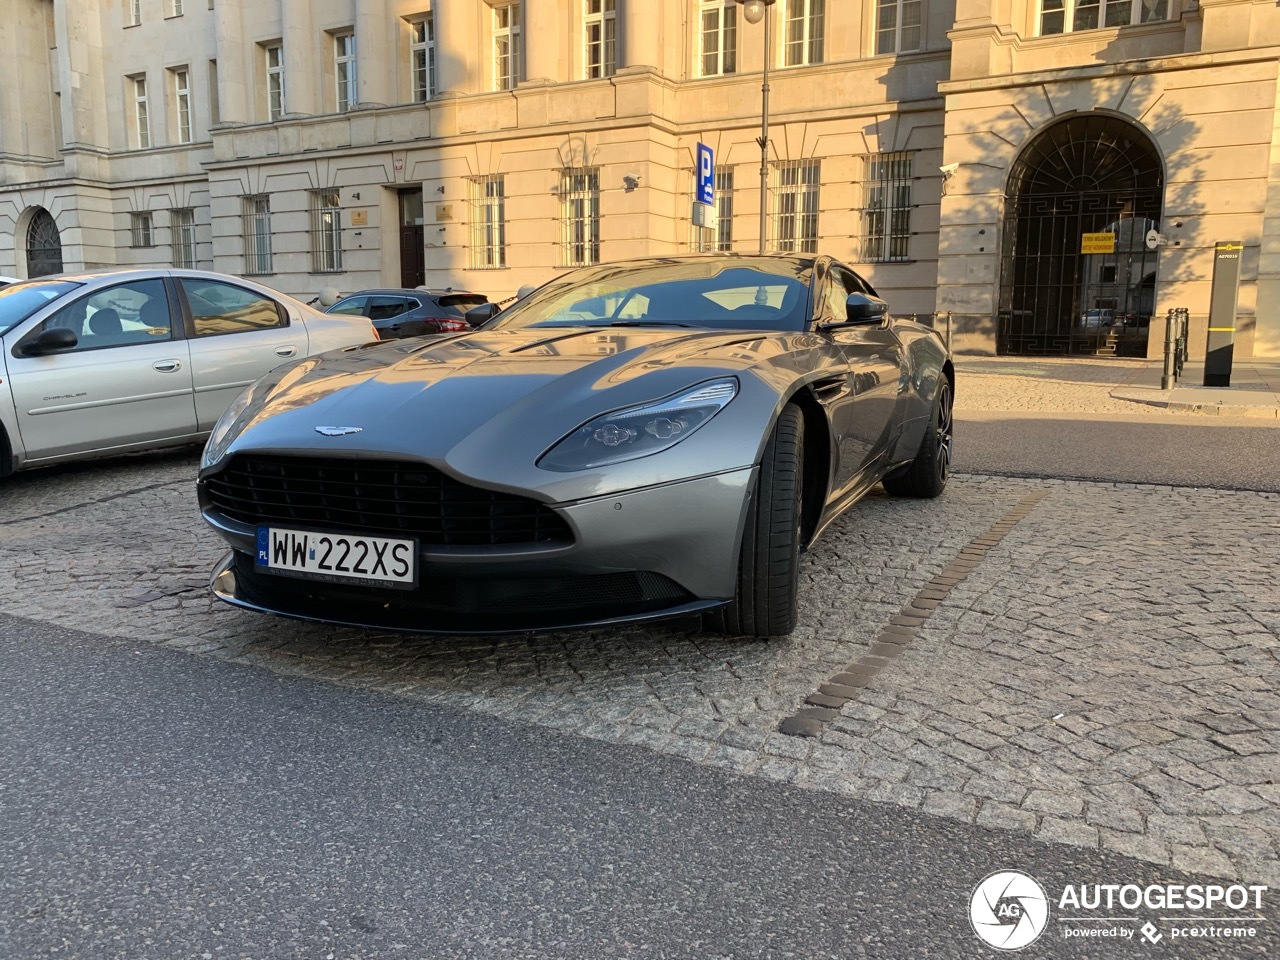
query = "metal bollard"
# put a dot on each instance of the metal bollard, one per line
(1170, 350)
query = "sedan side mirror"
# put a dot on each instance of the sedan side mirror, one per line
(52, 341)
(478, 315)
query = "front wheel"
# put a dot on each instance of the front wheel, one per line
(765, 601)
(926, 475)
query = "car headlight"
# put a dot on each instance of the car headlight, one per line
(221, 436)
(224, 430)
(635, 432)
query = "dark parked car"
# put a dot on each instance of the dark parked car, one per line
(635, 440)
(411, 313)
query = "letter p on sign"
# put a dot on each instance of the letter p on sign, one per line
(706, 175)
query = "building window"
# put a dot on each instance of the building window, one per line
(580, 216)
(135, 12)
(506, 46)
(601, 22)
(182, 104)
(898, 26)
(795, 208)
(488, 223)
(720, 238)
(886, 215)
(275, 81)
(175, 8)
(140, 234)
(326, 231)
(141, 116)
(344, 69)
(257, 235)
(719, 33)
(1068, 16)
(803, 32)
(182, 236)
(422, 58)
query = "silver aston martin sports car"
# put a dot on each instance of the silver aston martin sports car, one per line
(633, 441)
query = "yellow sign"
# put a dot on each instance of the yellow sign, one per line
(1097, 243)
(359, 218)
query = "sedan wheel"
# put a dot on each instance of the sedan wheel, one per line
(926, 475)
(764, 604)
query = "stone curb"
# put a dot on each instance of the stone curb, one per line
(1243, 410)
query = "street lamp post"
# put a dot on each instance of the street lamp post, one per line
(754, 11)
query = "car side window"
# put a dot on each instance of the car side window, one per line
(350, 307)
(218, 308)
(119, 316)
(384, 308)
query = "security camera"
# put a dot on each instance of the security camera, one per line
(949, 168)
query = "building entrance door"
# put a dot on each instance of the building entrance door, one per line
(1076, 274)
(44, 246)
(413, 263)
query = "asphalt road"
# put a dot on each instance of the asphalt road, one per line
(159, 805)
(1181, 451)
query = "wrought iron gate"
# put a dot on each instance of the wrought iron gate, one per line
(44, 246)
(1092, 174)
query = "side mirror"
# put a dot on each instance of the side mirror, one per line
(51, 341)
(863, 309)
(478, 315)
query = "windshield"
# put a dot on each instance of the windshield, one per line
(738, 294)
(21, 300)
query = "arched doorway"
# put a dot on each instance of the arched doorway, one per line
(1062, 291)
(44, 245)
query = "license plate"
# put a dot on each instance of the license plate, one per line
(338, 557)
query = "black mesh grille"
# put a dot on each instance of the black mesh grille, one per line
(378, 496)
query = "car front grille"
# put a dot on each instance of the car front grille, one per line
(379, 497)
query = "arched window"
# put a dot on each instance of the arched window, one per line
(44, 246)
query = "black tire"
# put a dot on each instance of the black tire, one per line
(926, 475)
(764, 603)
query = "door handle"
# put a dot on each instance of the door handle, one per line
(286, 351)
(167, 366)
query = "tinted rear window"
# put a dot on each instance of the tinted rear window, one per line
(457, 304)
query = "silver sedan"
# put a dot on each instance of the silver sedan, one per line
(108, 362)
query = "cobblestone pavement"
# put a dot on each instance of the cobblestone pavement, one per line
(1106, 676)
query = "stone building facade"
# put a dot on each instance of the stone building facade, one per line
(963, 154)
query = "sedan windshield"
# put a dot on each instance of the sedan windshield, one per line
(717, 293)
(21, 300)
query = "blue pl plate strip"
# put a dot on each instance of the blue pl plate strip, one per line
(264, 547)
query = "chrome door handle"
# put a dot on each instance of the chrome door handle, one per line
(286, 351)
(167, 366)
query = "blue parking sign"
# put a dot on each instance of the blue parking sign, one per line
(706, 175)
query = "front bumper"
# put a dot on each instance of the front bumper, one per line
(663, 551)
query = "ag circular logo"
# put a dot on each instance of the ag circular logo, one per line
(1009, 910)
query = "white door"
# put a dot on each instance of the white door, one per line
(236, 336)
(125, 382)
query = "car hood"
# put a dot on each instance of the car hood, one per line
(468, 400)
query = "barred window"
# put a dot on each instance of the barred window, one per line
(805, 26)
(488, 223)
(898, 26)
(140, 234)
(719, 238)
(422, 58)
(326, 231)
(257, 235)
(719, 34)
(506, 46)
(795, 207)
(601, 22)
(1068, 16)
(580, 216)
(182, 236)
(886, 214)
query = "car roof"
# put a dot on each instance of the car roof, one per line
(410, 292)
